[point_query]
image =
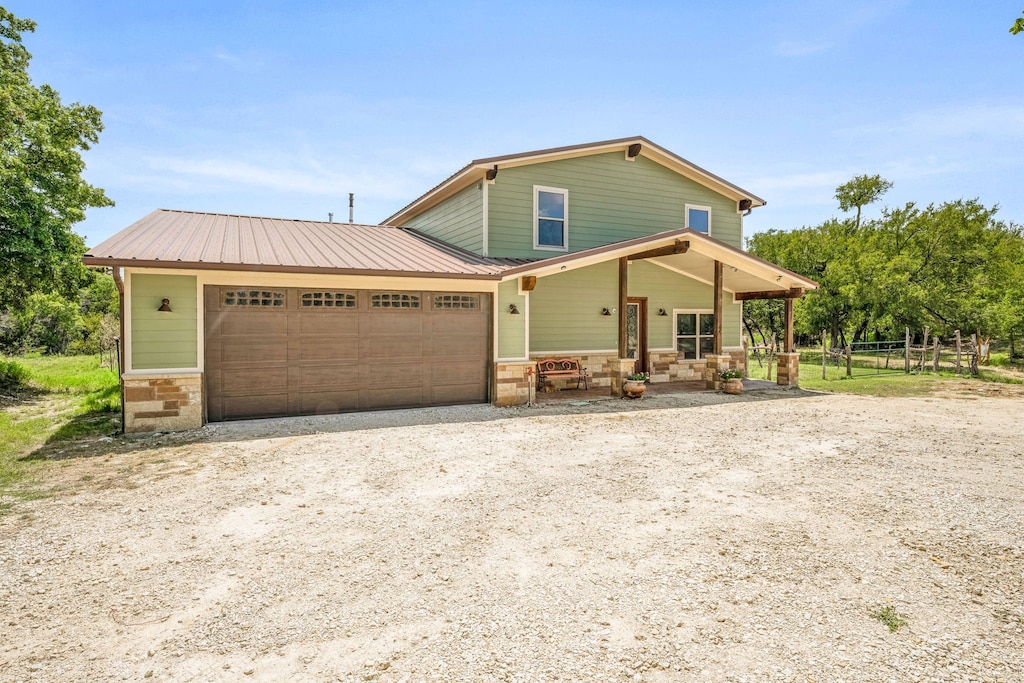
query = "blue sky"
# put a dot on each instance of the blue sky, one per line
(257, 108)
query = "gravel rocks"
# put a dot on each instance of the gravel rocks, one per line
(691, 537)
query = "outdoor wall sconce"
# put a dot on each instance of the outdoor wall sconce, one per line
(662, 311)
(605, 311)
(513, 309)
(165, 306)
(634, 150)
(492, 173)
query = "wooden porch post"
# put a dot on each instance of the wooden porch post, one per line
(623, 304)
(718, 308)
(788, 343)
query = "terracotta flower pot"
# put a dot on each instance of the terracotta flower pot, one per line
(733, 386)
(634, 388)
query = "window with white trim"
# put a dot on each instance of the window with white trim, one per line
(698, 218)
(695, 334)
(550, 218)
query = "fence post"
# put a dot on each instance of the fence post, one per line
(824, 352)
(977, 352)
(924, 348)
(935, 356)
(906, 352)
(849, 361)
(958, 352)
(746, 360)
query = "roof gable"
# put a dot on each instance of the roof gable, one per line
(478, 169)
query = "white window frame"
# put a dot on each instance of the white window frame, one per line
(699, 208)
(537, 189)
(676, 312)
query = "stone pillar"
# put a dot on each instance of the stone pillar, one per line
(715, 363)
(512, 382)
(789, 370)
(162, 402)
(619, 368)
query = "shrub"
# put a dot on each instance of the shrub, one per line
(54, 322)
(12, 375)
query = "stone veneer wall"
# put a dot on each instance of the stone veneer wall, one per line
(789, 370)
(163, 402)
(666, 366)
(512, 382)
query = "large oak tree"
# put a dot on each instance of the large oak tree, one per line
(42, 192)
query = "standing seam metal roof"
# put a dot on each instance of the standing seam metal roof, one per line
(249, 242)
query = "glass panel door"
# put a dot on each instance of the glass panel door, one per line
(632, 330)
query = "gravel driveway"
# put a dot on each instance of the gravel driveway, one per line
(682, 538)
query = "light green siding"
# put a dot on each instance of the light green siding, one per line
(565, 310)
(511, 328)
(163, 340)
(670, 290)
(610, 200)
(458, 221)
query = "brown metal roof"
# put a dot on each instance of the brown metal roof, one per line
(187, 239)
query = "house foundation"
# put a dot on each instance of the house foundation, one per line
(162, 402)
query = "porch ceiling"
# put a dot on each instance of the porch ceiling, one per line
(735, 279)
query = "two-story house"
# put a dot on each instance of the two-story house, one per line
(619, 254)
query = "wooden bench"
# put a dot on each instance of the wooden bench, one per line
(562, 368)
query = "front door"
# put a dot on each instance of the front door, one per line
(636, 331)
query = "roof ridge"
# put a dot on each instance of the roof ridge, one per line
(274, 218)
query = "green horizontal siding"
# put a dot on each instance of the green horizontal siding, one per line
(610, 200)
(163, 340)
(511, 328)
(459, 220)
(670, 290)
(565, 310)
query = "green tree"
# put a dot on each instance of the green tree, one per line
(43, 194)
(1018, 26)
(861, 191)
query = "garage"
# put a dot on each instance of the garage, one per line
(277, 351)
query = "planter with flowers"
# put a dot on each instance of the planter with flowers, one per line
(635, 384)
(732, 381)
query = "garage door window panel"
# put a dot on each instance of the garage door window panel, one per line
(399, 300)
(327, 299)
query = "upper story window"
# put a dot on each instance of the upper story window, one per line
(698, 218)
(550, 218)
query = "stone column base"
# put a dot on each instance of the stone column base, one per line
(788, 374)
(715, 364)
(162, 402)
(618, 369)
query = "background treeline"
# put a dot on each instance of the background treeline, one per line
(951, 266)
(55, 323)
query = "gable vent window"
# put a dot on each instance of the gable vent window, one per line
(459, 301)
(254, 297)
(394, 300)
(698, 218)
(550, 219)
(328, 299)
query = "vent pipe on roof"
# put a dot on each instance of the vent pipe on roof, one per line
(330, 217)
(351, 207)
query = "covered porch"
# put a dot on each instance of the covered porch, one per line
(680, 287)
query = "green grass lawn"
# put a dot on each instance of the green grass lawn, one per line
(870, 381)
(48, 402)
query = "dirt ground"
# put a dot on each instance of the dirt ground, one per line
(680, 538)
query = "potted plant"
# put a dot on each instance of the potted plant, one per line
(635, 384)
(732, 381)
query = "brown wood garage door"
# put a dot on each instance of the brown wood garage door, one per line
(288, 351)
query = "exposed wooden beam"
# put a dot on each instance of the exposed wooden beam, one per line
(794, 293)
(680, 247)
(623, 304)
(718, 307)
(788, 342)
